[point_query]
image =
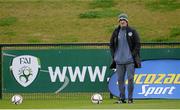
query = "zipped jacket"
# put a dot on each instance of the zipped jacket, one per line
(133, 42)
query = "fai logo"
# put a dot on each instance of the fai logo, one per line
(25, 69)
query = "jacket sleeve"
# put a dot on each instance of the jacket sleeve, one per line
(137, 44)
(136, 50)
(111, 45)
(112, 50)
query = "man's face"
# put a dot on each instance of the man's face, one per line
(123, 23)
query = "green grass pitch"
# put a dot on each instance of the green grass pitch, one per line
(78, 101)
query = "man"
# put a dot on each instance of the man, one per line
(125, 49)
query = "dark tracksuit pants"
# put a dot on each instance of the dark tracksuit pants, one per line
(121, 70)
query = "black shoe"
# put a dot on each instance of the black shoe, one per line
(120, 101)
(130, 101)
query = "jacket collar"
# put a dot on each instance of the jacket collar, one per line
(127, 29)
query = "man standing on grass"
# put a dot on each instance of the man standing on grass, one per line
(125, 50)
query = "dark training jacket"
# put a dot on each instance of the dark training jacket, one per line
(133, 42)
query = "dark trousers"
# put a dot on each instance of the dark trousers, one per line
(121, 73)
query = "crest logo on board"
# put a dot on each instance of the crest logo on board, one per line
(25, 69)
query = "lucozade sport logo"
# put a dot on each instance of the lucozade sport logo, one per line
(156, 79)
(25, 69)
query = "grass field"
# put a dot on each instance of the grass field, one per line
(78, 101)
(86, 104)
(61, 21)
